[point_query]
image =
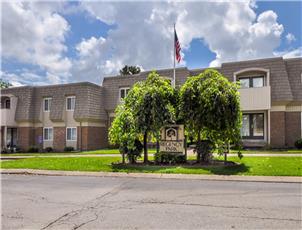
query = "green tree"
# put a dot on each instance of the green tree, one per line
(210, 108)
(124, 133)
(130, 70)
(4, 84)
(152, 103)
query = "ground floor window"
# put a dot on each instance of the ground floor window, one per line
(252, 126)
(71, 134)
(47, 134)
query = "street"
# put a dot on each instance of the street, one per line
(79, 202)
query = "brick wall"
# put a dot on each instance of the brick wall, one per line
(59, 138)
(25, 137)
(38, 138)
(92, 137)
(277, 129)
(293, 128)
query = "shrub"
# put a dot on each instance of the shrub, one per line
(169, 158)
(48, 149)
(298, 143)
(134, 153)
(33, 149)
(68, 149)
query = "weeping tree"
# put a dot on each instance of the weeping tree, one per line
(130, 70)
(124, 133)
(152, 103)
(210, 107)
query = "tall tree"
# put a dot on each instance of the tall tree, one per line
(4, 84)
(210, 108)
(130, 70)
(152, 105)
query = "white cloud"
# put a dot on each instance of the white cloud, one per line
(290, 53)
(290, 38)
(144, 33)
(34, 33)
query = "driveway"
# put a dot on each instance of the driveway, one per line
(76, 202)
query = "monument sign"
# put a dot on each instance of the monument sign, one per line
(172, 139)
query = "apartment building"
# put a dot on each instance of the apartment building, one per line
(79, 114)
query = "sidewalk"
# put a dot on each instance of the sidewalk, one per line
(118, 155)
(269, 179)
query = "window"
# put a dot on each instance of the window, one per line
(252, 126)
(47, 134)
(46, 104)
(7, 104)
(70, 103)
(71, 134)
(251, 82)
(124, 92)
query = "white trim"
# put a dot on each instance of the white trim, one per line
(49, 104)
(76, 134)
(44, 128)
(267, 71)
(67, 103)
(120, 89)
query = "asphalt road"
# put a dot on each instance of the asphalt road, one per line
(61, 202)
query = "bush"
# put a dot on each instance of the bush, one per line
(68, 149)
(298, 143)
(133, 154)
(48, 149)
(169, 158)
(33, 149)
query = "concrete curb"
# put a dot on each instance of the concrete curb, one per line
(269, 179)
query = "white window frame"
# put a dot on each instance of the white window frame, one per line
(120, 92)
(48, 128)
(76, 133)
(49, 99)
(70, 97)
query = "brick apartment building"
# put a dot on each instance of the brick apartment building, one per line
(79, 114)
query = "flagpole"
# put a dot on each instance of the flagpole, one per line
(174, 83)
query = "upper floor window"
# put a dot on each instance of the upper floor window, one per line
(251, 82)
(71, 134)
(5, 102)
(70, 103)
(123, 92)
(47, 134)
(46, 104)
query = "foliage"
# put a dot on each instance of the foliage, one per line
(152, 105)
(68, 149)
(205, 147)
(48, 149)
(169, 158)
(210, 108)
(124, 133)
(298, 143)
(130, 70)
(33, 149)
(4, 84)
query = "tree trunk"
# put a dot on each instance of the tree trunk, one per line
(123, 154)
(198, 143)
(226, 154)
(145, 147)
(157, 145)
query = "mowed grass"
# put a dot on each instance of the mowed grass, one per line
(262, 166)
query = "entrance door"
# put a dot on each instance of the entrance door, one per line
(11, 138)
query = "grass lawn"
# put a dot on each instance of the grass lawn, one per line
(267, 166)
(116, 151)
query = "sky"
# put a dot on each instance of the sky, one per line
(72, 41)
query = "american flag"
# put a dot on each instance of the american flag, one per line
(177, 47)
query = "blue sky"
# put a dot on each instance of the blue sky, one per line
(60, 42)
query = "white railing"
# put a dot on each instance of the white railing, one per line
(255, 98)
